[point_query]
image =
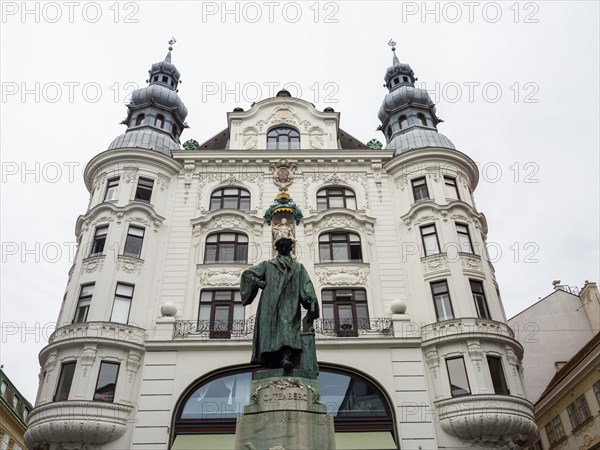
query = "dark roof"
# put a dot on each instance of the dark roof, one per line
(571, 365)
(219, 141)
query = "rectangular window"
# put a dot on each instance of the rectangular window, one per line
(419, 188)
(464, 238)
(107, 382)
(5, 441)
(99, 240)
(479, 298)
(441, 300)
(431, 246)
(122, 303)
(221, 312)
(345, 311)
(497, 374)
(578, 411)
(554, 430)
(451, 188)
(133, 242)
(83, 304)
(143, 192)
(597, 391)
(111, 189)
(457, 374)
(65, 380)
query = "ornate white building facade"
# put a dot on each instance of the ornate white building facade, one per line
(152, 346)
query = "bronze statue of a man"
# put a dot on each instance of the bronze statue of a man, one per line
(286, 286)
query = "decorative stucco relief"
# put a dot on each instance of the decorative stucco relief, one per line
(134, 360)
(87, 358)
(343, 276)
(432, 358)
(92, 265)
(129, 265)
(220, 277)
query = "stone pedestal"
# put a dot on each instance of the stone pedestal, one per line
(284, 413)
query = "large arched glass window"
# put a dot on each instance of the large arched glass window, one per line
(334, 197)
(226, 248)
(283, 138)
(207, 413)
(339, 246)
(230, 197)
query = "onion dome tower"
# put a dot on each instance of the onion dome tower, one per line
(156, 115)
(407, 114)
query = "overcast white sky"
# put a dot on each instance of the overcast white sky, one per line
(516, 83)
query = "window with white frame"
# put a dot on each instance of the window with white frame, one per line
(112, 186)
(133, 242)
(230, 197)
(597, 391)
(431, 245)
(451, 188)
(122, 303)
(283, 138)
(479, 299)
(464, 238)
(99, 240)
(441, 300)
(457, 375)
(83, 303)
(419, 188)
(143, 191)
(578, 411)
(554, 430)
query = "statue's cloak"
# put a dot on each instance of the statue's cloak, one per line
(278, 318)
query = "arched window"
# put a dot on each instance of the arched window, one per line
(140, 119)
(345, 311)
(206, 416)
(283, 139)
(339, 246)
(334, 197)
(159, 121)
(226, 248)
(403, 121)
(422, 119)
(230, 197)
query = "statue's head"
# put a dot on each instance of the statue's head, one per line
(283, 221)
(284, 246)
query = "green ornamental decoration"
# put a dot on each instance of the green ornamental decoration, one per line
(191, 144)
(283, 202)
(375, 144)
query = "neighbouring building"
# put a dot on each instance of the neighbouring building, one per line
(152, 346)
(561, 337)
(14, 414)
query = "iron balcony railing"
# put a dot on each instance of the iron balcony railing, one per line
(244, 329)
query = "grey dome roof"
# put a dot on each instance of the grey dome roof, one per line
(398, 68)
(167, 67)
(147, 138)
(404, 95)
(162, 95)
(418, 137)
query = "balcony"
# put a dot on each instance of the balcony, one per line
(466, 328)
(82, 422)
(98, 330)
(487, 419)
(244, 329)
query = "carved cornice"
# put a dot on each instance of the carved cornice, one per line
(470, 328)
(340, 218)
(86, 332)
(486, 420)
(429, 210)
(88, 423)
(227, 219)
(109, 212)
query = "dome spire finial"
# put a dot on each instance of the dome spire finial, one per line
(171, 42)
(392, 43)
